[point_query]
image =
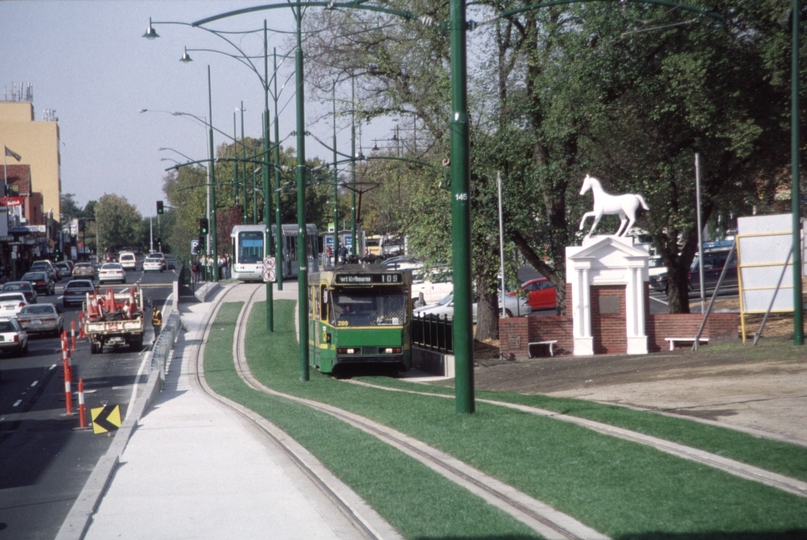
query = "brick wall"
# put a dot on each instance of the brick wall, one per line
(609, 329)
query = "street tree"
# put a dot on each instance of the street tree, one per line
(118, 223)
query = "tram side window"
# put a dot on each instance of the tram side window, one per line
(250, 247)
(323, 299)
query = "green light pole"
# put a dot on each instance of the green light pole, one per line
(335, 188)
(353, 164)
(302, 237)
(461, 215)
(278, 215)
(213, 225)
(795, 197)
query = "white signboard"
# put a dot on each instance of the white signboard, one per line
(269, 270)
(763, 244)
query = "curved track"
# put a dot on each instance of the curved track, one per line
(542, 518)
(368, 524)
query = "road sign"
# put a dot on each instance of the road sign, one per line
(105, 419)
(269, 270)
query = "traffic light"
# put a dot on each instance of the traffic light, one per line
(200, 246)
(57, 252)
(160, 208)
(203, 224)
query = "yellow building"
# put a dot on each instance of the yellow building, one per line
(37, 143)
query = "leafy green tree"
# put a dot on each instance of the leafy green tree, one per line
(118, 223)
(70, 209)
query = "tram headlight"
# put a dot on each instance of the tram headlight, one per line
(392, 350)
(346, 351)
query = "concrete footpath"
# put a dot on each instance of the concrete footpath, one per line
(196, 469)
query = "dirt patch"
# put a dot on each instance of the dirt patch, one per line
(759, 388)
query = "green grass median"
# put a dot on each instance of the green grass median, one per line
(622, 489)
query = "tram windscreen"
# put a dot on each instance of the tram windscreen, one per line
(373, 306)
(250, 247)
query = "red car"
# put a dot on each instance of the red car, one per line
(540, 293)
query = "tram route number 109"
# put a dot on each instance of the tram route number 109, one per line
(390, 278)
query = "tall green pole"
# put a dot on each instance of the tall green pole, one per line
(213, 234)
(244, 171)
(278, 216)
(335, 188)
(235, 170)
(302, 248)
(268, 248)
(798, 304)
(461, 215)
(353, 163)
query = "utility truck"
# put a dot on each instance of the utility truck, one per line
(114, 319)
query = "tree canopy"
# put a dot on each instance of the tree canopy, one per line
(627, 92)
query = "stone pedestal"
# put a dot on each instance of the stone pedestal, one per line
(607, 260)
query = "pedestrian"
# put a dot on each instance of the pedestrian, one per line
(343, 254)
(228, 266)
(329, 254)
(157, 322)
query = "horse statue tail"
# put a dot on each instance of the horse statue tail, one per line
(641, 201)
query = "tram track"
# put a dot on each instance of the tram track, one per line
(540, 517)
(543, 519)
(365, 521)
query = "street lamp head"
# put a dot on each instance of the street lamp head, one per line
(150, 32)
(186, 57)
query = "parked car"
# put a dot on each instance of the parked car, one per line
(432, 284)
(75, 291)
(24, 287)
(714, 261)
(111, 272)
(13, 338)
(152, 264)
(540, 293)
(655, 266)
(513, 307)
(46, 266)
(43, 282)
(65, 270)
(41, 318)
(402, 262)
(11, 304)
(127, 260)
(84, 269)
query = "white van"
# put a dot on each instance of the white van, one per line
(127, 260)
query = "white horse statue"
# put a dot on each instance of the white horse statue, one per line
(605, 203)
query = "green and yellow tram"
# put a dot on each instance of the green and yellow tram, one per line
(359, 315)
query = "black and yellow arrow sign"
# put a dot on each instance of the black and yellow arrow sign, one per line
(105, 419)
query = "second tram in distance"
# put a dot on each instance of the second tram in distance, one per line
(360, 315)
(248, 251)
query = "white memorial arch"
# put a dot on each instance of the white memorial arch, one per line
(607, 260)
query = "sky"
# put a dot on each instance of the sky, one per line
(88, 61)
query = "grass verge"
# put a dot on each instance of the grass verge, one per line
(425, 505)
(623, 489)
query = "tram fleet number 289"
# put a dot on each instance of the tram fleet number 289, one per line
(360, 316)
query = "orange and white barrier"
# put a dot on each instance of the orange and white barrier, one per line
(73, 335)
(68, 393)
(82, 412)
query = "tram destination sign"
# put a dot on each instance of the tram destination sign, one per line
(368, 279)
